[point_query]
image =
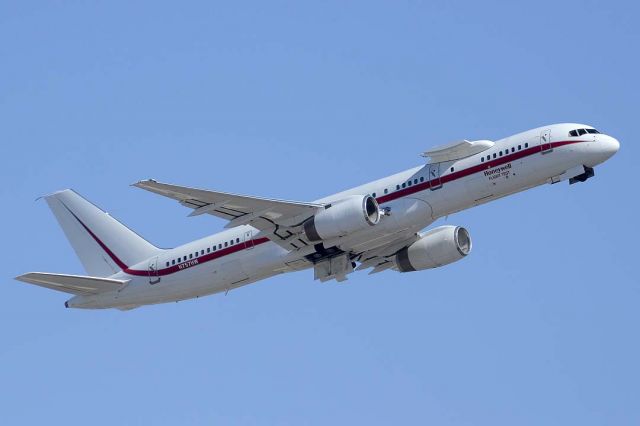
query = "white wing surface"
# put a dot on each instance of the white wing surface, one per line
(382, 258)
(275, 218)
(457, 150)
(74, 284)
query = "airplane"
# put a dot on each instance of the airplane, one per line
(376, 226)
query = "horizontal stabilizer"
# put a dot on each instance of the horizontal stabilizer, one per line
(74, 284)
(457, 150)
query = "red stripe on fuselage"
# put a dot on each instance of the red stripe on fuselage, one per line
(382, 199)
(174, 268)
(469, 171)
(200, 259)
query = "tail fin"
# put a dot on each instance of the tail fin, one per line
(104, 245)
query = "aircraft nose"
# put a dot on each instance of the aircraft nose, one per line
(601, 149)
(609, 146)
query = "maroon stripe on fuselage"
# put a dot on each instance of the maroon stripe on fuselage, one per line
(382, 199)
(469, 171)
(174, 268)
(200, 259)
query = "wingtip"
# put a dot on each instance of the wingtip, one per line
(52, 194)
(140, 183)
(22, 277)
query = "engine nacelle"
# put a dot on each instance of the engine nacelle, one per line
(438, 247)
(352, 214)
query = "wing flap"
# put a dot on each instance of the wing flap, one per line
(74, 284)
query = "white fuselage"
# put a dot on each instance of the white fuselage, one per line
(415, 198)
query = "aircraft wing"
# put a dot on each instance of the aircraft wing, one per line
(266, 214)
(74, 284)
(457, 150)
(381, 258)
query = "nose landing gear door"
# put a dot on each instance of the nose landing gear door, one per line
(545, 141)
(434, 176)
(152, 270)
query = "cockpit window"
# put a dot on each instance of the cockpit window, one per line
(580, 132)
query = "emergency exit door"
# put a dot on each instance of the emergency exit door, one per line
(434, 176)
(545, 141)
(152, 270)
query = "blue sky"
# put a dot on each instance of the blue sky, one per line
(298, 100)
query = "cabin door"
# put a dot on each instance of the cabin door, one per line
(434, 176)
(152, 270)
(545, 141)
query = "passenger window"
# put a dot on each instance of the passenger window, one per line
(421, 178)
(208, 249)
(482, 159)
(201, 251)
(415, 181)
(409, 183)
(237, 240)
(582, 132)
(494, 155)
(526, 145)
(173, 262)
(452, 170)
(500, 153)
(404, 185)
(386, 190)
(196, 253)
(519, 147)
(219, 246)
(397, 187)
(513, 149)
(226, 243)
(190, 256)
(167, 263)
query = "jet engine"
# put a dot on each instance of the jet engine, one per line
(437, 247)
(352, 214)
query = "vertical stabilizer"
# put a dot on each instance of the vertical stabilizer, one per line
(104, 245)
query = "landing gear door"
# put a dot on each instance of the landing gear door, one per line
(545, 141)
(152, 270)
(434, 176)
